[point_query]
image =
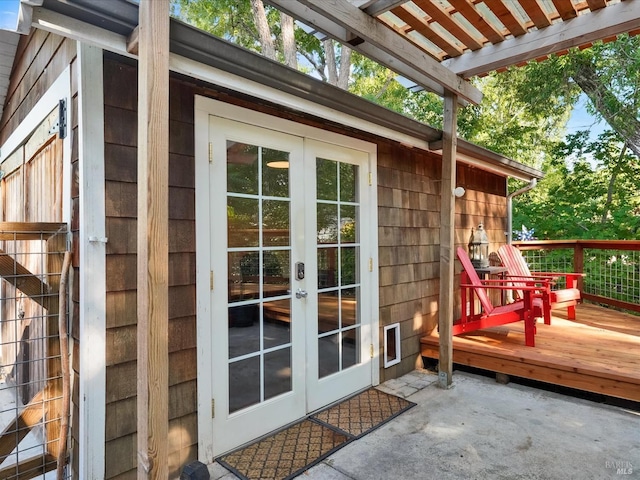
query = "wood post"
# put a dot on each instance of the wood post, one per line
(53, 390)
(447, 239)
(153, 256)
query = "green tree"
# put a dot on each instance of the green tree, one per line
(589, 191)
(264, 29)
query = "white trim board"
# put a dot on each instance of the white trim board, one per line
(60, 89)
(92, 243)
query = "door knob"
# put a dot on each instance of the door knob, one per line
(301, 293)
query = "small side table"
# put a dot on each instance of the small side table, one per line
(500, 272)
(483, 273)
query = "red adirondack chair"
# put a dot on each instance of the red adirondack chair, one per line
(519, 270)
(490, 315)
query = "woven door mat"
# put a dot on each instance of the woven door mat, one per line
(289, 452)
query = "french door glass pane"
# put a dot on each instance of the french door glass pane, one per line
(259, 266)
(277, 372)
(244, 383)
(338, 256)
(328, 311)
(242, 217)
(277, 323)
(242, 168)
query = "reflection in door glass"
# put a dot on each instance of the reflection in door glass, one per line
(277, 372)
(244, 383)
(328, 311)
(259, 274)
(338, 254)
(243, 214)
(350, 347)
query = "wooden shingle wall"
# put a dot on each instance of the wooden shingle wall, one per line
(121, 210)
(408, 235)
(40, 59)
(409, 229)
(409, 239)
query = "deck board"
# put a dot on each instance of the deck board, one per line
(598, 352)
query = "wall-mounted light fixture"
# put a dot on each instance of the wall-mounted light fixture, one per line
(458, 192)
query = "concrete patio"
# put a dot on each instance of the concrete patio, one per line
(480, 429)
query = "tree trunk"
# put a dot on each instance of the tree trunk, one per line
(338, 77)
(288, 41)
(264, 32)
(612, 184)
(330, 56)
(619, 116)
(345, 68)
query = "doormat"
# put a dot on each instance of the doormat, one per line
(289, 452)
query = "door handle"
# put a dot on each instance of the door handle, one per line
(301, 293)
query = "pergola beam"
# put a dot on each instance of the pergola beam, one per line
(153, 243)
(341, 20)
(604, 23)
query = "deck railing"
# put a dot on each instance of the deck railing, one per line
(611, 267)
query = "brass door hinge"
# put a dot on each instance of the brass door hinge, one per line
(371, 350)
(210, 152)
(213, 408)
(370, 178)
(370, 264)
(211, 280)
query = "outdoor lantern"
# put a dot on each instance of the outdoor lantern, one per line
(479, 247)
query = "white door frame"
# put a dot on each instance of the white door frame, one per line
(204, 107)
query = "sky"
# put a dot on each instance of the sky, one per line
(582, 120)
(9, 14)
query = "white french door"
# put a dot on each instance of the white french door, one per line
(291, 320)
(339, 340)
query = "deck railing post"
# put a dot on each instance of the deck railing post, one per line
(578, 263)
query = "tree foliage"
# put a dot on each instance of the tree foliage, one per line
(589, 190)
(263, 29)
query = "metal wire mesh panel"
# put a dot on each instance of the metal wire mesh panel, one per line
(30, 361)
(613, 273)
(609, 273)
(560, 261)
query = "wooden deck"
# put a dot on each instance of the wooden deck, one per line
(599, 352)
